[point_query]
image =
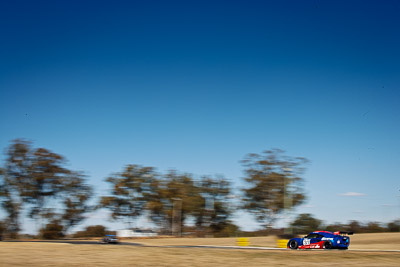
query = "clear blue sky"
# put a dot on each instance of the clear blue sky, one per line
(196, 85)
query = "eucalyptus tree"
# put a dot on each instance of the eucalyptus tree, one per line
(75, 200)
(13, 178)
(305, 223)
(274, 184)
(131, 189)
(37, 182)
(175, 198)
(180, 196)
(217, 209)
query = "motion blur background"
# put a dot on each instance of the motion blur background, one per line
(197, 85)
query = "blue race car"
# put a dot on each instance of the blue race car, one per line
(321, 240)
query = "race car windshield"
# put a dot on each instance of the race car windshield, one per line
(312, 236)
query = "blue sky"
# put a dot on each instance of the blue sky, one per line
(196, 85)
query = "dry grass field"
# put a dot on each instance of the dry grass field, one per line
(384, 241)
(58, 254)
(269, 241)
(389, 241)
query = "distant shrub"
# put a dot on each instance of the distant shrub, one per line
(394, 226)
(2, 229)
(305, 223)
(374, 227)
(92, 231)
(53, 230)
(225, 229)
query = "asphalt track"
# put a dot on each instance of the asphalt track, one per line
(77, 242)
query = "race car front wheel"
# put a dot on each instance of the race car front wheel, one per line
(327, 245)
(293, 244)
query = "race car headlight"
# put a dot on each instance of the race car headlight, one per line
(338, 241)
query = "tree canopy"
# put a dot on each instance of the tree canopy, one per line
(305, 223)
(37, 181)
(274, 184)
(131, 190)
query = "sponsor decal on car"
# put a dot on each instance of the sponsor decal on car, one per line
(313, 245)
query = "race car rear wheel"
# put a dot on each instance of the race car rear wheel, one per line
(293, 244)
(327, 245)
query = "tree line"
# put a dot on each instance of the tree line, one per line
(306, 223)
(36, 183)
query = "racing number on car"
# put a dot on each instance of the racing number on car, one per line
(306, 242)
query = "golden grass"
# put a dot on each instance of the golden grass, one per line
(390, 241)
(386, 241)
(58, 254)
(269, 241)
(51, 254)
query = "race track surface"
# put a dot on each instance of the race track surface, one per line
(78, 242)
